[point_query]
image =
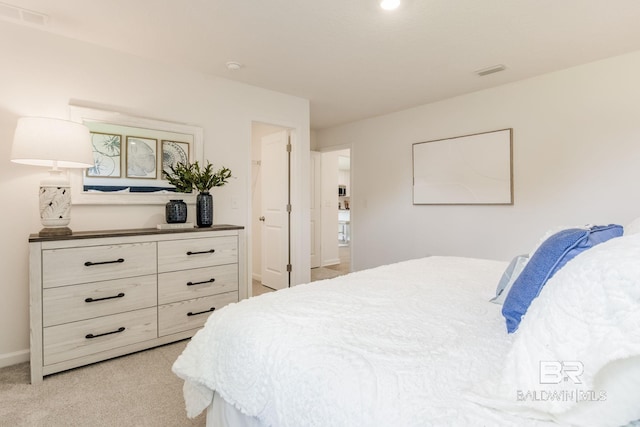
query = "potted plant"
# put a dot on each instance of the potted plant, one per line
(181, 177)
(187, 176)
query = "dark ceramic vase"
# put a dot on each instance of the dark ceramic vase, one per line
(204, 209)
(176, 212)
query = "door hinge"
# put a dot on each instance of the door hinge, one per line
(288, 207)
(288, 147)
(289, 268)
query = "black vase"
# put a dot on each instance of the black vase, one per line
(176, 212)
(204, 209)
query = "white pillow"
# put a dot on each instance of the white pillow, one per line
(588, 318)
(509, 276)
(633, 227)
(620, 380)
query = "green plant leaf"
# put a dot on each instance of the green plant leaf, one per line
(187, 176)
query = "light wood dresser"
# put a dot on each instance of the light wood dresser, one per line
(100, 294)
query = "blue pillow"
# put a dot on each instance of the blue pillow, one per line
(550, 257)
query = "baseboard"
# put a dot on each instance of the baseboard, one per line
(256, 276)
(9, 359)
(331, 262)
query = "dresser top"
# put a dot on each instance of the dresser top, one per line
(130, 232)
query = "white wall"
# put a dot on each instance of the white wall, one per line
(576, 161)
(42, 73)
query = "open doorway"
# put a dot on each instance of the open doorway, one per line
(330, 214)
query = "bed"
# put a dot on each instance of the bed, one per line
(419, 343)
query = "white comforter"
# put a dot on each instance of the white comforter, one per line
(395, 345)
(588, 317)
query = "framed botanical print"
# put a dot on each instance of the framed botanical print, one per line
(174, 152)
(106, 155)
(142, 157)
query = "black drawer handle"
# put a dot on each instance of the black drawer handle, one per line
(89, 263)
(120, 329)
(210, 251)
(120, 295)
(200, 283)
(201, 312)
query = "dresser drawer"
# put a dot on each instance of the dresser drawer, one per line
(79, 302)
(199, 282)
(96, 263)
(190, 314)
(196, 253)
(69, 341)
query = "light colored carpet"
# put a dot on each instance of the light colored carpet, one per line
(319, 273)
(322, 273)
(134, 390)
(331, 271)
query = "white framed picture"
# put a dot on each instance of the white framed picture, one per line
(463, 170)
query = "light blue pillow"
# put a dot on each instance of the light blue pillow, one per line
(508, 277)
(550, 257)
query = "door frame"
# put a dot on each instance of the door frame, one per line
(352, 199)
(300, 201)
(315, 200)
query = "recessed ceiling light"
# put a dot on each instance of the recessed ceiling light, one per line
(389, 4)
(233, 65)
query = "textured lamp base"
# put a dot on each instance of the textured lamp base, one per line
(55, 204)
(54, 231)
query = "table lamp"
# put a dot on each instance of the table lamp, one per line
(58, 144)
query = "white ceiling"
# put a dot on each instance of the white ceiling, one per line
(351, 59)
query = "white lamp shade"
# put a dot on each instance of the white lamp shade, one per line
(52, 142)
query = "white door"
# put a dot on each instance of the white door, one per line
(275, 218)
(316, 230)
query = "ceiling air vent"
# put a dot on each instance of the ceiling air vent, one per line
(14, 13)
(491, 70)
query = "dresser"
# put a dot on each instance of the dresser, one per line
(100, 294)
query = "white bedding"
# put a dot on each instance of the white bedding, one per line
(395, 345)
(588, 316)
